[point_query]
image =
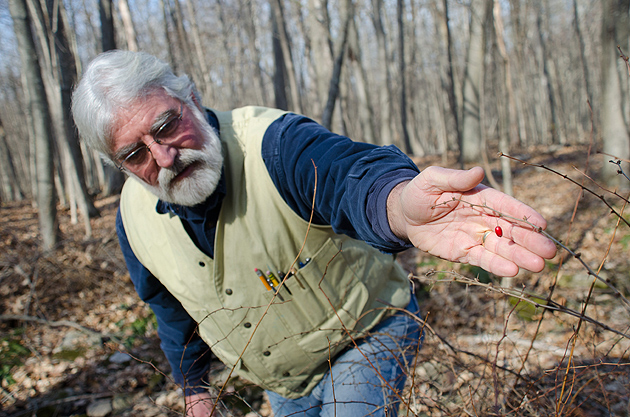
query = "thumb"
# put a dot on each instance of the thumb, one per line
(445, 179)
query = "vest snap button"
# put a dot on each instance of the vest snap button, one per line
(266, 353)
(228, 291)
(202, 264)
(247, 325)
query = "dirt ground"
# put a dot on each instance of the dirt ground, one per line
(75, 340)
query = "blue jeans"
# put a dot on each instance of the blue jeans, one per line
(356, 386)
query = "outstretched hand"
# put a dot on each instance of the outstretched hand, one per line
(447, 212)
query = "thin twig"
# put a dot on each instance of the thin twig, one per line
(521, 295)
(576, 255)
(588, 190)
(495, 375)
(625, 58)
(59, 323)
(272, 298)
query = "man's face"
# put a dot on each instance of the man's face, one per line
(183, 165)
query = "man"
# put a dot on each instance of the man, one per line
(264, 237)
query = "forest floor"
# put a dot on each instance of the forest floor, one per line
(75, 340)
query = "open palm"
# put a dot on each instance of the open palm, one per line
(447, 212)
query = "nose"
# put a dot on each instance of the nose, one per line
(164, 155)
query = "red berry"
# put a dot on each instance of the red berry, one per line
(498, 231)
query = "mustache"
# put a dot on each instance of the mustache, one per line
(185, 158)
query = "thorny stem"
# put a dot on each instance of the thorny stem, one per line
(585, 305)
(495, 375)
(576, 255)
(566, 177)
(555, 281)
(332, 380)
(352, 339)
(625, 58)
(620, 170)
(415, 363)
(441, 338)
(523, 296)
(472, 400)
(573, 339)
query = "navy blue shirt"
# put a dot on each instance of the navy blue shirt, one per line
(353, 182)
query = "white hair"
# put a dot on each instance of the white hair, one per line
(115, 79)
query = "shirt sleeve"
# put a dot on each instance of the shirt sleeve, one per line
(187, 354)
(353, 178)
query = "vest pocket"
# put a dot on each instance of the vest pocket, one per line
(331, 302)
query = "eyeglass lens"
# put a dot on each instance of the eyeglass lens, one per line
(163, 134)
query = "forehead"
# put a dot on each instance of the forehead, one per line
(134, 120)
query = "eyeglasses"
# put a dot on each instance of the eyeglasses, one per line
(163, 134)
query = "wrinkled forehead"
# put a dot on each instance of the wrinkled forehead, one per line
(119, 105)
(135, 118)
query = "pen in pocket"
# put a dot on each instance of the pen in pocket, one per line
(291, 274)
(276, 282)
(268, 283)
(263, 278)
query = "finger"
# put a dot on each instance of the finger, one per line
(446, 179)
(513, 252)
(532, 240)
(510, 207)
(492, 262)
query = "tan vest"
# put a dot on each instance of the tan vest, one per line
(283, 346)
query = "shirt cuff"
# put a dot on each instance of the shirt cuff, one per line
(377, 208)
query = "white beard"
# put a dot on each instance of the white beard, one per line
(202, 182)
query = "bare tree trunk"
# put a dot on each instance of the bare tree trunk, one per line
(250, 27)
(108, 35)
(322, 50)
(385, 87)
(556, 134)
(32, 152)
(585, 71)
(440, 112)
(518, 39)
(200, 67)
(280, 70)
(406, 143)
(230, 74)
(471, 126)
(130, 29)
(333, 90)
(10, 184)
(452, 96)
(186, 61)
(283, 38)
(167, 36)
(366, 113)
(414, 115)
(114, 179)
(48, 26)
(623, 40)
(614, 129)
(512, 122)
(340, 113)
(69, 141)
(38, 107)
